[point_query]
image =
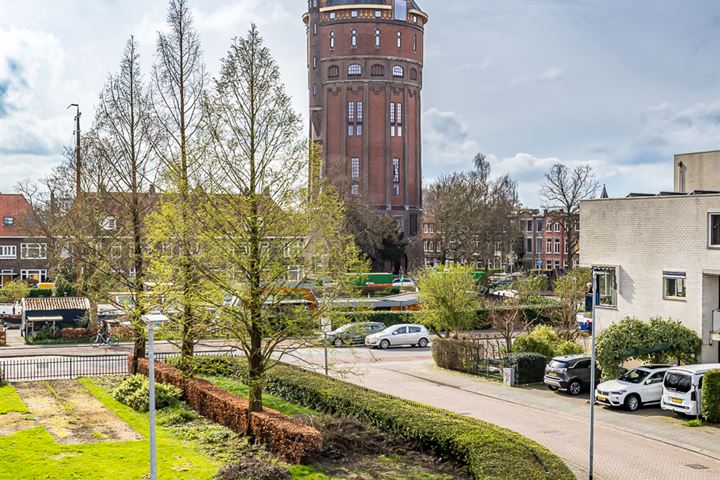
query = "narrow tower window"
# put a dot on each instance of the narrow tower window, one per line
(355, 118)
(332, 40)
(415, 43)
(399, 39)
(392, 119)
(355, 168)
(353, 39)
(351, 119)
(378, 36)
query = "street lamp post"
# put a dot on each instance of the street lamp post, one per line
(592, 375)
(152, 320)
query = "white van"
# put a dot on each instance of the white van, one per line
(682, 388)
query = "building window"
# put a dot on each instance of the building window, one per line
(557, 245)
(714, 229)
(108, 223)
(314, 28)
(415, 43)
(548, 227)
(354, 69)
(378, 13)
(353, 39)
(557, 226)
(557, 264)
(528, 245)
(399, 40)
(548, 246)
(398, 71)
(413, 74)
(606, 285)
(8, 251)
(414, 225)
(353, 13)
(30, 251)
(681, 177)
(355, 118)
(548, 264)
(566, 248)
(400, 222)
(400, 10)
(359, 118)
(539, 226)
(314, 63)
(396, 170)
(398, 119)
(674, 285)
(396, 190)
(332, 40)
(378, 36)
(8, 220)
(426, 245)
(38, 275)
(538, 244)
(355, 189)
(314, 89)
(528, 225)
(426, 228)
(333, 71)
(377, 71)
(355, 167)
(333, 15)
(351, 119)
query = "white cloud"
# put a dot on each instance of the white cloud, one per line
(445, 142)
(552, 74)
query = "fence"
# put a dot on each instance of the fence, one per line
(67, 367)
(478, 355)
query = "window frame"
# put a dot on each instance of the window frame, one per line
(713, 216)
(8, 220)
(676, 275)
(355, 167)
(614, 291)
(354, 70)
(398, 71)
(25, 248)
(12, 252)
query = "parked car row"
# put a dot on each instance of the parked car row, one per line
(674, 388)
(377, 335)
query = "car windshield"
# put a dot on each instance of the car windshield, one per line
(677, 382)
(635, 376)
(558, 364)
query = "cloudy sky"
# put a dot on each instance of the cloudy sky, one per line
(622, 85)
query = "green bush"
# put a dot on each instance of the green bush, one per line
(531, 344)
(568, 348)
(545, 340)
(224, 366)
(529, 366)
(711, 396)
(41, 292)
(135, 393)
(488, 451)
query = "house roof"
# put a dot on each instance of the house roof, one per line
(15, 206)
(55, 303)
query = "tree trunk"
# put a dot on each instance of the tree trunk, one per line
(138, 353)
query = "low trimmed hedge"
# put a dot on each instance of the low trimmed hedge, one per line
(290, 440)
(488, 451)
(711, 396)
(529, 366)
(41, 292)
(461, 355)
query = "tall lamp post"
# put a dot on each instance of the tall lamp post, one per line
(152, 320)
(595, 298)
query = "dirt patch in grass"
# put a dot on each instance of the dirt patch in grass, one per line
(354, 451)
(14, 422)
(71, 414)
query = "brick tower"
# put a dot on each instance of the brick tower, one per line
(365, 60)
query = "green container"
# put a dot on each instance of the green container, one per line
(365, 279)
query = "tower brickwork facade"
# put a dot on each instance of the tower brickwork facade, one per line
(365, 71)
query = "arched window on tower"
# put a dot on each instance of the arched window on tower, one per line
(398, 71)
(413, 74)
(377, 70)
(333, 71)
(378, 37)
(354, 70)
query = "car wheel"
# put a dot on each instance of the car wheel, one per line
(632, 403)
(338, 342)
(553, 388)
(385, 344)
(423, 343)
(575, 387)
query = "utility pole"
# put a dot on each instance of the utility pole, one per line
(78, 161)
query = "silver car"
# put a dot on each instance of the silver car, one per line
(399, 335)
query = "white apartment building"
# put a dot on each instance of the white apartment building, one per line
(657, 256)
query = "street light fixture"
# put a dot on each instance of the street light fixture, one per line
(152, 320)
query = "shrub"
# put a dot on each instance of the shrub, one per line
(530, 344)
(463, 355)
(135, 393)
(488, 451)
(529, 367)
(253, 468)
(40, 292)
(711, 396)
(76, 333)
(568, 348)
(223, 366)
(290, 440)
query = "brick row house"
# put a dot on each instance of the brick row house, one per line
(23, 252)
(544, 242)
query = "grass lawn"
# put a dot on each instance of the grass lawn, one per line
(41, 457)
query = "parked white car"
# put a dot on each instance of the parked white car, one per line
(635, 388)
(405, 284)
(682, 388)
(398, 335)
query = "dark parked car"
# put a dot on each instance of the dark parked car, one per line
(354, 333)
(570, 373)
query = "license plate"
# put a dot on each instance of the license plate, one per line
(676, 400)
(602, 398)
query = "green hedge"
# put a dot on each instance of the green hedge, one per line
(464, 355)
(41, 292)
(532, 314)
(529, 367)
(711, 396)
(488, 451)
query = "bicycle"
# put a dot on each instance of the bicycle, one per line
(104, 339)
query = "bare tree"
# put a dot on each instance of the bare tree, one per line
(179, 83)
(472, 212)
(563, 191)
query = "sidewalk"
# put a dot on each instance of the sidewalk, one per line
(650, 422)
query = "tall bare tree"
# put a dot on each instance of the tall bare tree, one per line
(179, 82)
(563, 191)
(472, 212)
(268, 237)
